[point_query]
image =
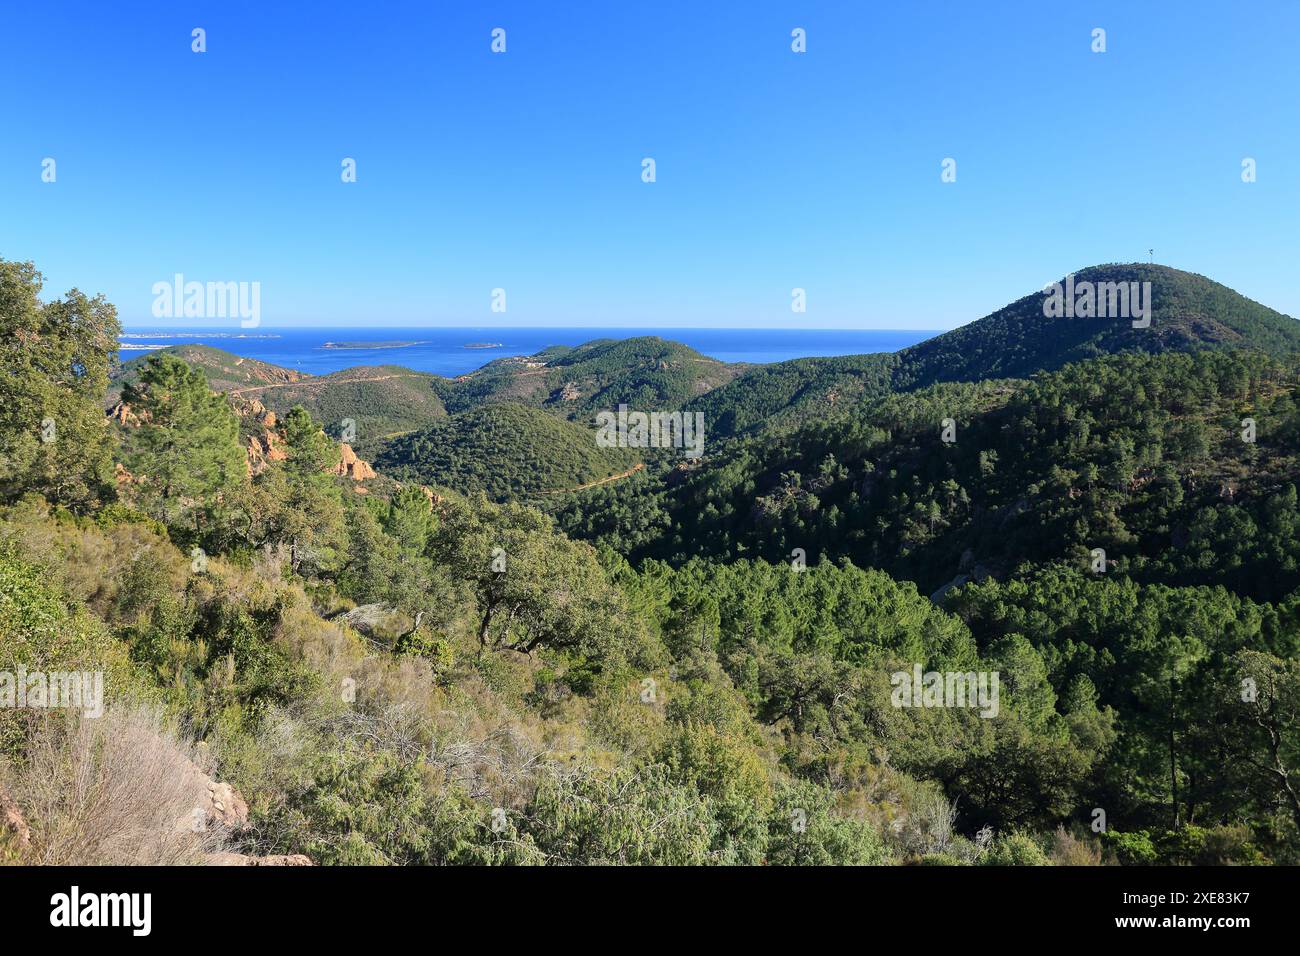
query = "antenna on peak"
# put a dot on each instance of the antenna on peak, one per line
(1152, 254)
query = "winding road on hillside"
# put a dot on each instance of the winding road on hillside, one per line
(603, 481)
(321, 380)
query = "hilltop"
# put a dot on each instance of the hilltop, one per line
(224, 370)
(1189, 312)
(645, 372)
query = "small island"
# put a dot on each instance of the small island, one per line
(369, 345)
(482, 345)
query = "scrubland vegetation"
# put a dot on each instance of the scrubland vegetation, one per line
(421, 675)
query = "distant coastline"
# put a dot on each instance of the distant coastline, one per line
(459, 350)
(195, 335)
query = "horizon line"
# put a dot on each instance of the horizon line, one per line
(251, 332)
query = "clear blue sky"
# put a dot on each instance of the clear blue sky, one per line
(523, 170)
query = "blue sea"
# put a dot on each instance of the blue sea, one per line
(444, 351)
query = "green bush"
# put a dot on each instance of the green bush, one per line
(1135, 848)
(1014, 849)
(803, 829)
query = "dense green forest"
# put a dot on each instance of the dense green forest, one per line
(1141, 456)
(504, 450)
(694, 664)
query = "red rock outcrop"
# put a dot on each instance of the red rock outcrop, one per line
(123, 415)
(265, 445)
(262, 450)
(351, 466)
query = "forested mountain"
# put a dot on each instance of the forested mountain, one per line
(1188, 312)
(698, 663)
(785, 394)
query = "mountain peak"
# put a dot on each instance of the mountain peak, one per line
(1099, 310)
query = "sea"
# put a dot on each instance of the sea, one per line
(455, 351)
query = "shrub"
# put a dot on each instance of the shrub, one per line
(1014, 849)
(1131, 849)
(113, 791)
(1070, 850)
(1213, 846)
(627, 816)
(803, 829)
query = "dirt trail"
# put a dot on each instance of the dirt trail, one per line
(592, 484)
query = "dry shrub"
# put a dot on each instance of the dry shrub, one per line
(915, 817)
(1070, 850)
(118, 790)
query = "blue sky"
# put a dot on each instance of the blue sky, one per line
(522, 170)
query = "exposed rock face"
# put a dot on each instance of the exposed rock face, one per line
(351, 466)
(227, 806)
(220, 803)
(12, 825)
(377, 621)
(261, 414)
(681, 471)
(262, 450)
(123, 415)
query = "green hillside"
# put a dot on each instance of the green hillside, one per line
(1139, 455)
(225, 371)
(646, 373)
(390, 676)
(380, 401)
(505, 450)
(790, 393)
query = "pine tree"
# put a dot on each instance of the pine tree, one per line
(186, 450)
(54, 438)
